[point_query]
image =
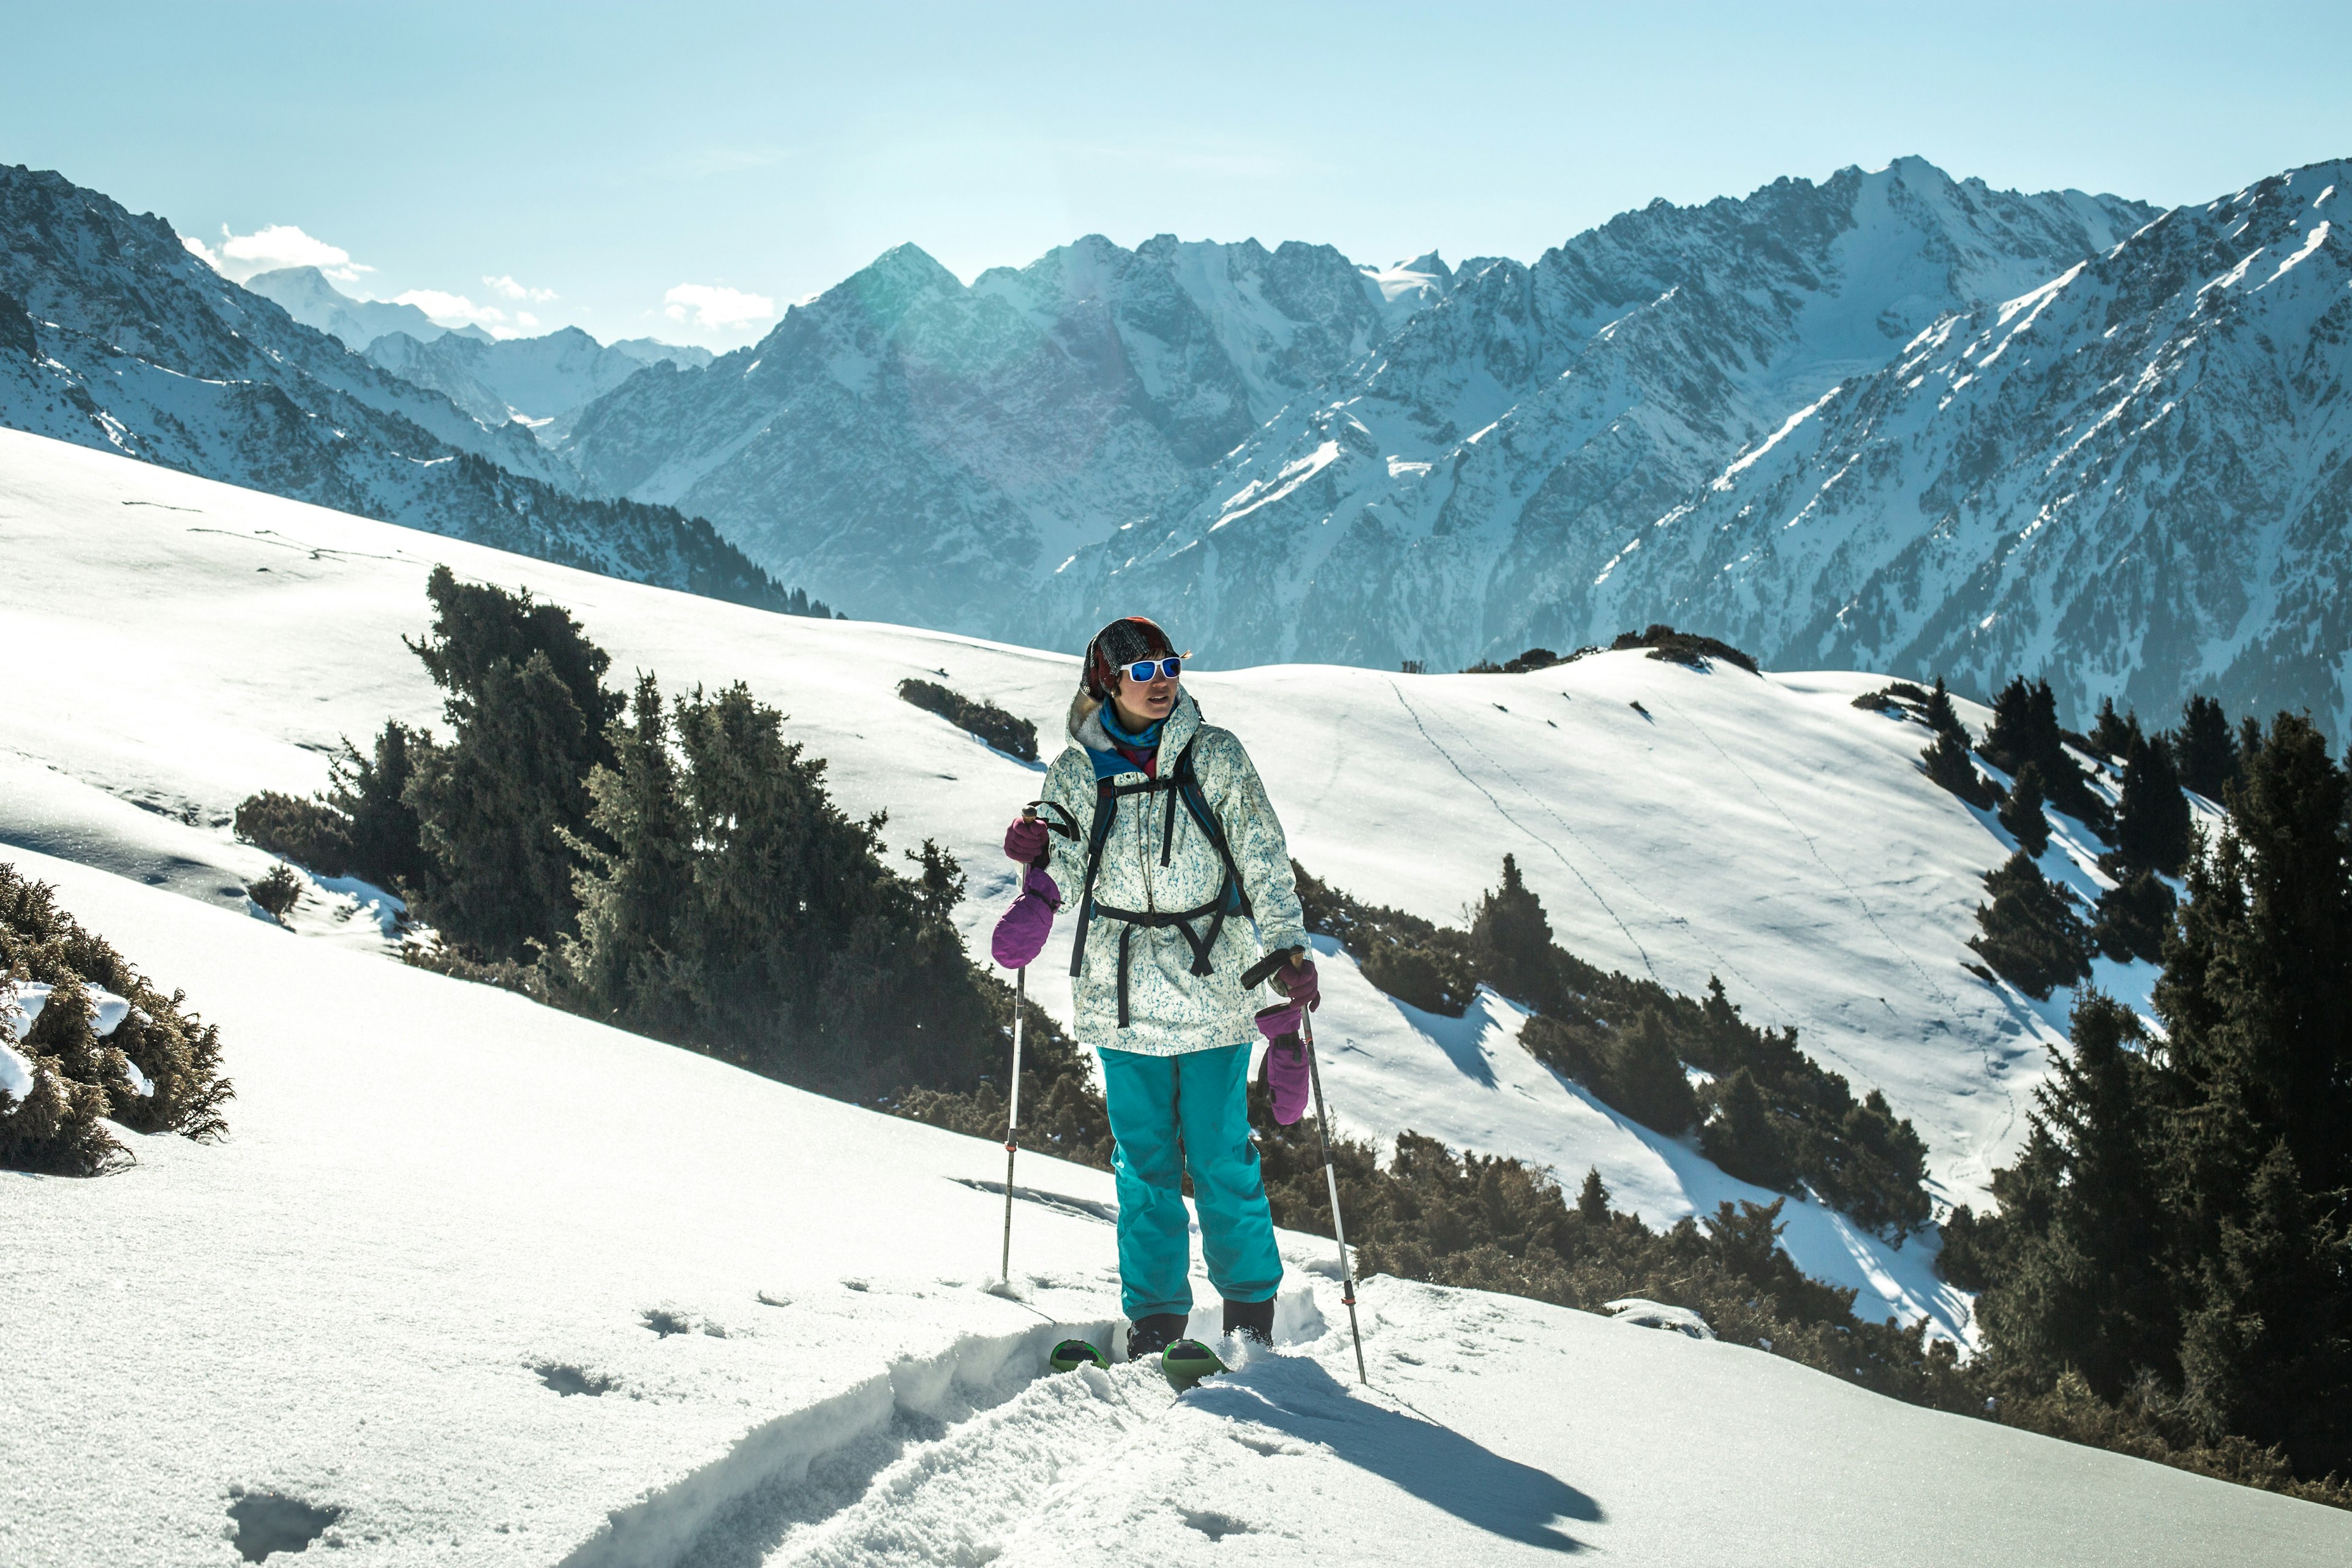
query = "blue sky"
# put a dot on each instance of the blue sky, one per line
(688, 170)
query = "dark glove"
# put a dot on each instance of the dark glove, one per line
(1298, 981)
(1025, 840)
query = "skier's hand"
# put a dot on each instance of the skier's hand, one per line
(1298, 980)
(1025, 840)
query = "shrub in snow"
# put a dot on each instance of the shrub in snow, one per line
(277, 892)
(1683, 648)
(1648, 1314)
(1495, 1224)
(992, 725)
(1415, 960)
(362, 826)
(2030, 934)
(2022, 814)
(1510, 941)
(1857, 1156)
(85, 1038)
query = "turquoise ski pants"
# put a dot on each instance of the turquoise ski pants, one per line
(1167, 1115)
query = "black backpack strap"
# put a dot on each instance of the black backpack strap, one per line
(1106, 808)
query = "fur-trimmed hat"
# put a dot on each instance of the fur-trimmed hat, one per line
(1130, 639)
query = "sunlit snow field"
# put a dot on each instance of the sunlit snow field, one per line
(180, 644)
(493, 1284)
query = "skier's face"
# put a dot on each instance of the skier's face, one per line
(1144, 703)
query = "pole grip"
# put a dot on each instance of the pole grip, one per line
(1256, 973)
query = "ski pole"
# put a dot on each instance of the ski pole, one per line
(1012, 1117)
(1013, 1096)
(1331, 1177)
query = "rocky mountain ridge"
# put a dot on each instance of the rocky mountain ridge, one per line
(113, 336)
(2135, 478)
(933, 451)
(1455, 494)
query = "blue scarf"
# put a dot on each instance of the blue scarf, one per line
(1135, 750)
(1144, 741)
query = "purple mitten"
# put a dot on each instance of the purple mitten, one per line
(1287, 1080)
(1021, 932)
(1298, 979)
(1025, 840)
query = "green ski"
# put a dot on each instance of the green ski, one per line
(1186, 1361)
(1072, 1354)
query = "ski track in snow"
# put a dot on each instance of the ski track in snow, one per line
(1681, 924)
(1813, 849)
(1503, 812)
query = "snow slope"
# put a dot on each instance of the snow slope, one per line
(477, 1282)
(203, 642)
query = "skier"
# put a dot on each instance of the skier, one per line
(1159, 825)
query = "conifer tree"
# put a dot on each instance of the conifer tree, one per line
(2267, 1352)
(2204, 750)
(2134, 916)
(1510, 941)
(2084, 1286)
(2152, 819)
(2021, 812)
(1592, 1198)
(2030, 933)
(500, 806)
(383, 838)
(1647, 1080)
(1948, 760)
(632, 897)
(2015, 736)
(2114, 735)
(1741, 1139)
(2289, 995)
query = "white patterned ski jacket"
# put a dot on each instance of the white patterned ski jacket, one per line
(1169, 1008)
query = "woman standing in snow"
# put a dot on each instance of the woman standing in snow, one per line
(1173, 854)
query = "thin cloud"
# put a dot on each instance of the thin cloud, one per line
(456, 311)
(710, 305)
(506, 288)
(271, 248)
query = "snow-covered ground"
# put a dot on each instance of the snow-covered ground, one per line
(474, 1281)
(175, 644)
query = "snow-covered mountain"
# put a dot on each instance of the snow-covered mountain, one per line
(310, 299)
(113, 335)
(935, 450)
(531, 381)
(473, 1282)
(1457, 492)
(2135, 478)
